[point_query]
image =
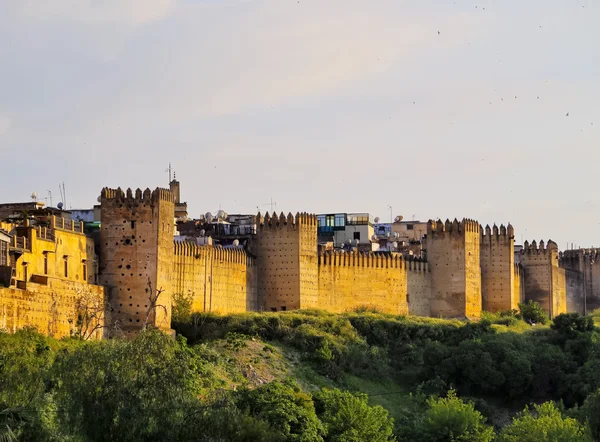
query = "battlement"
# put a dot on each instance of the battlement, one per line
(417, 265)
(140, 197)
(577, 253)
(488, 232)
(360, 259)
(290, 221)
(535, 249)
(238, 256)
(458, 228)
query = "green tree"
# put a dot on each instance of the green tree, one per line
(590, 413)
(570, 323)
(349, 418)
(140, 389)
(450, 419)
(544, 424)
(286, 408)
(532, 312)
(181, 311)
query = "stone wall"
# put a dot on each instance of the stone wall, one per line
(218, 280)
(136, 260)
(418, 281)
(348, 281)
(544, 280)
(497, 269)
(453, 253)
(55, 307)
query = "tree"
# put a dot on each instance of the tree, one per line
(544, 424)
(590, 412)
(182, 307)
(286, 409)
(450, 419)
(570, 323)
(348, 417)
(532, 312)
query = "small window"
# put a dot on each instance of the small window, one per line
(45, 263)
(133, 224)
(66, 265)
(84, 268)
(283, 308)
(409, 227)
(25, 272)
(357, 235)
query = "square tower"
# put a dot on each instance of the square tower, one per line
(498, 269)
(136, 259)
(454, 262)
(287, 261)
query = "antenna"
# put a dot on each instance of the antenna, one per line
(391, 217)
(50, 197)
(272, 204)
(170, 171)
(34, 196)
(63, 192)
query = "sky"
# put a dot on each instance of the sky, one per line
(485, 109)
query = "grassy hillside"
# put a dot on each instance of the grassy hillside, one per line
(307, 375)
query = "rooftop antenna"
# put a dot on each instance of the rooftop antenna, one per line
(63, 192)
(391, 217)
(49, 197)
(170, 170)
(414, 216)
(34, 196)
(272, 204)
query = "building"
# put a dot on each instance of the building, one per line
(345, 229)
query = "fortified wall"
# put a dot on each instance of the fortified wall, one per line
(348, 281)
(136, 259)
(582, 273)
(544, 280)
(453, 252)
(216, 279)
(418, 292)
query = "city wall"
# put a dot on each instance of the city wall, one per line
(418, 281)
(348, 281)
(55, 307)
(217, 279)
(497, 269)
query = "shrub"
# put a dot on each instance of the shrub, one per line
(569, 323)
(544, 424)
(532, 312)
(348, 417)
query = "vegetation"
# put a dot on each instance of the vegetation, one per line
(309, 376)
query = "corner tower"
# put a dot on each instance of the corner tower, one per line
(454, 262)
(498, 269)
(136, 259)
(287, 261)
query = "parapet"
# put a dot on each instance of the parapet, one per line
(487, 232)
(534, 248)
(218, 253)
(140, 197)
(416, 264)
(360, 259)
(455, 227)
(289, 221)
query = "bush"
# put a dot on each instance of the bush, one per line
(451, 419)
(348, 417)
(545, 424)
(570, 323)
(532, 312)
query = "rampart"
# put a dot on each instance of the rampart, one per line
(287, 262)
(136, 260)
(582, 272)
(453, 253)
(519, 283)
(544, 280)
(217, 279)
(497, 269)
(55, 307)
(418, 281)
(348, 281)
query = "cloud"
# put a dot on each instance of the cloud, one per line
(94, 11)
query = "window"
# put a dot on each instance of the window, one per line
(283, 308)
(66, 265)
(321, 220)
(409, 227)
(330, 220)
(340, 220)
(84, 268)
(46, 263)
(25, 272)
(3, 253)
(273, 309)
(357, 235)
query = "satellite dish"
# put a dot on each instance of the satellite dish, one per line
(395, 244)
(221, 215)
(60, 206)
(202, 232)
(396, 235)
(374, 238)
(398, 219)
(376, 219)
(34, 196)
(356, 242)
(389, 234)
(208, 217)
(236, 242)
(99, 199)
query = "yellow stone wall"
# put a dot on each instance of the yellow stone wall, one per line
(218, 280)
(348, 281)
(136, 259)
(418, 288)
(497, 269)
(519, 283)
(453, 253)
(53, 308)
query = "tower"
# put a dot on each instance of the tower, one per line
(498, 269)
(287, 261)
(454, 262)
(544, 280)
(136, 259)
